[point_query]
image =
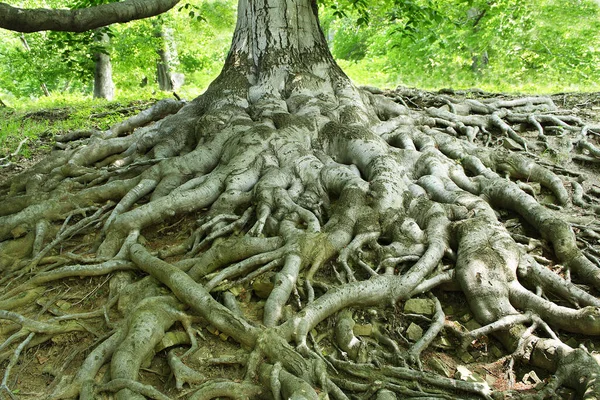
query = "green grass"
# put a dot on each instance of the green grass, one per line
(375, 72)
(39, 121)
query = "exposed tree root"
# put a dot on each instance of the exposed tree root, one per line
(326, 201)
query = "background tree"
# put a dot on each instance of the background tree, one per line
(168, 79)
(66, 60)
(104, 87)
(429, 53)
(326, 199)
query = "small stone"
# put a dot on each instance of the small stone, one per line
(50, 369)
(464, 374)
(171, 339)
(41, 301)
(63, 305)
(419, 306)
(513, 223)
(363, 330)
(236, 290)
(262, 288)
(490, 379)
(511, 144)
(572, 342)
(465, 356)
(476, 354)
(414, 332)
(496, 352)
(443, 342)
(223, 336)
(19, 231)
(466, 317)
(536, 186)
(547, 199)
(212, 329)
(440, 367)
(531, 378)
(471, 325)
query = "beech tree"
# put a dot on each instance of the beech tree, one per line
(104, 86)
(339, 199)
(166, 75)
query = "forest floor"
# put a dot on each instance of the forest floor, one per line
(484, 359)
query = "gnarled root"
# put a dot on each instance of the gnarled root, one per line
(332, 206)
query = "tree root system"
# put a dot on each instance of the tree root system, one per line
(320, 241)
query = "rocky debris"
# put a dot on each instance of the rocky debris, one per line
(263, 286)
(465, 356)
(414, 332)
(465, 374)
(471, 325)
(440, 367)
(363, 330)
(420, 307)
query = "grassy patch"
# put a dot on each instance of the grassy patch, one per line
(30, 127)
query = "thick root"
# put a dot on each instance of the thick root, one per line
(293, 225)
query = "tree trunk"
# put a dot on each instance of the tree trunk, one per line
(278, 46)
(271, 35)
(104, 88)
(166, 66)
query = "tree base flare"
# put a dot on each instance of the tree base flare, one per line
(311, 241)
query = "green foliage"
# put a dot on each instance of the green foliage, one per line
(22, 71)
(76, 50)
(193, 11)
(416, 20)
(65, 61)
(497, 45)
(357, 9)
(508, 45)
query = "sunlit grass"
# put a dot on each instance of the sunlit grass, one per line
(41, 119)
(375, 72)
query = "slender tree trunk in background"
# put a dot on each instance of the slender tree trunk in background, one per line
(168, 79)
(104, 88)
(45, 89)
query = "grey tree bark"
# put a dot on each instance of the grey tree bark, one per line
(104, 87)
(80, 20)
(334, 204)
(166, 66)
